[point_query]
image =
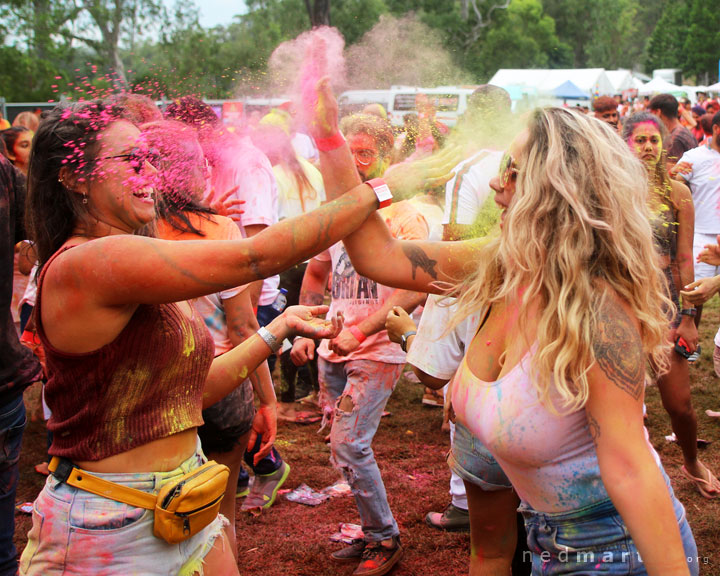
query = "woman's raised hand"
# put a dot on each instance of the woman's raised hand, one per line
(409, 178)
(307, 321)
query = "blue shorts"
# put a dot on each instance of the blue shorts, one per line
(471, 461)
(77, 532)
(593, 541)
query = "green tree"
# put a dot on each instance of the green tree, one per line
(523, 37)
(702, 44)
(665, 47)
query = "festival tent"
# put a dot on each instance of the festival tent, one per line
(568, 90)
(714, 87)
(592, 81)
(621, 80)
(660, 86)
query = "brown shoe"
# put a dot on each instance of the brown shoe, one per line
(350, 554)
(378, 559)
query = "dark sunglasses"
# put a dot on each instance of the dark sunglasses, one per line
(508, 169)
(137, 158)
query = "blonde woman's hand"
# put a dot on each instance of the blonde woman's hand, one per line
(397, 323)
(701, 291)
(325, 116)
(409, 178)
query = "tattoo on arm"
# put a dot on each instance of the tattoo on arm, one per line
(419, 259)
(618, 350)
(594, 429)
(311, 298)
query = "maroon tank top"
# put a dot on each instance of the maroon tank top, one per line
(144, 385)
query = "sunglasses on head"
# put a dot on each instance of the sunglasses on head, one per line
(137, 158)
(508, 169)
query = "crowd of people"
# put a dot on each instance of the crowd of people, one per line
(536, 271)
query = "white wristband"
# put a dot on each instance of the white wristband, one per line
(269, 339)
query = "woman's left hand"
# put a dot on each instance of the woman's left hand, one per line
(264, 425)
(306, 321)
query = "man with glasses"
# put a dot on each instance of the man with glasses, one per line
(359, 368)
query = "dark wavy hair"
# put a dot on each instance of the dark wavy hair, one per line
(67, 138)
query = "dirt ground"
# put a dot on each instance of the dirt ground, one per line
(293, 540)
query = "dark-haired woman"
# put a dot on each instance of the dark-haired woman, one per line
(673, 221)
(130, 364)
(18, 144)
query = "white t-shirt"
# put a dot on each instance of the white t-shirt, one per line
(359, 297)
(241, 164)
(470, 187)
(434, 351)
(704, 182)
(304, 147)
(289, 203)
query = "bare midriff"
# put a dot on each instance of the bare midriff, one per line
(161, 455)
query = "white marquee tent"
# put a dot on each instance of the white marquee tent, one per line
(592, 81)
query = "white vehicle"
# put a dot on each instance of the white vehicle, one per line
(450, 101)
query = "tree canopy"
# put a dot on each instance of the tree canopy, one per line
(78, 48)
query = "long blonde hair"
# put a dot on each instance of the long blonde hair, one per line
(578, 220)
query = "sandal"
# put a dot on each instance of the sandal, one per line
(709, 488)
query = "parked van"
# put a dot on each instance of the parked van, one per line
(450, 102)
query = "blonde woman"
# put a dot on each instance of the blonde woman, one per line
(553, 381)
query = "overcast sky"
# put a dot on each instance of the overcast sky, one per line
(214, 12)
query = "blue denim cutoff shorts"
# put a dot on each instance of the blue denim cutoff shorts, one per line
(471, 461)
(593, 540)
(76, 532)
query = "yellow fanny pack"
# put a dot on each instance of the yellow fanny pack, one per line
(182, 507)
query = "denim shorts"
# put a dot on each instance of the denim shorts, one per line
(77, 532)
(593, 540)
(471, 461)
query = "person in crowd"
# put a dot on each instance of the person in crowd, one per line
(699, 168)
(358, 369)
(300, 190)
(229, 424)
(18, 367)
(705, 123)
(4, 124)
(242, 173)
(673, 220)
(697, 112)
(435, 354)
(554, 379)
(18, 144)
(485, 123)
(605, 108)
(665, 107)
(130, 364)
(27, 119)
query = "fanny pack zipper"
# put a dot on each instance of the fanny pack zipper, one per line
(186, 515)
(178, 488)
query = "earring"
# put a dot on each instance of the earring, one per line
(61, 180)
(85, 198)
